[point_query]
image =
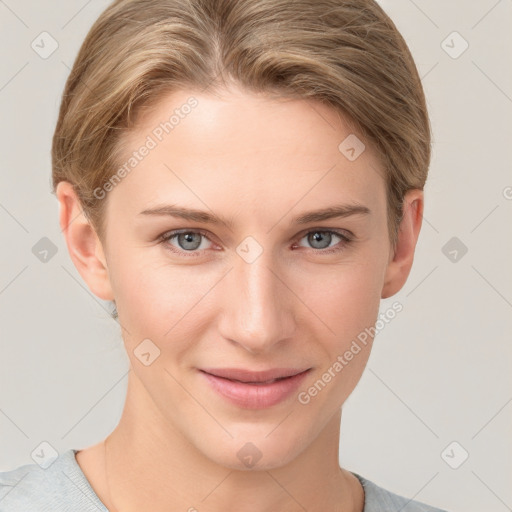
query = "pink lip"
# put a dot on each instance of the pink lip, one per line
(247, 389)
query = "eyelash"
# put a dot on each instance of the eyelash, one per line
(166, 237)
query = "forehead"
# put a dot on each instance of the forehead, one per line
(246, 151)
(246, 121)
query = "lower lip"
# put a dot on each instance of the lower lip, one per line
(255, 396)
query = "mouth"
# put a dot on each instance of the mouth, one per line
(254, 389)
(254, 377)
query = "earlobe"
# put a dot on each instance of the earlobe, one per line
(84, 246)
(401, 259)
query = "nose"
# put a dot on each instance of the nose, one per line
(258, 307)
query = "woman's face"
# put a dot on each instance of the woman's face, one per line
(270, 286)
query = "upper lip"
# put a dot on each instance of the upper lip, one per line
(244, 375)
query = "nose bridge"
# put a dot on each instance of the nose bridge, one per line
(257, 315)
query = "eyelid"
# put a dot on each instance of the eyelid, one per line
(343, 233)
(173, 232)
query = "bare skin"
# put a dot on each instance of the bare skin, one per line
(260, 163)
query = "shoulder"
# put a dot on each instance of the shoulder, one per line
(60, 487)
(378, 499)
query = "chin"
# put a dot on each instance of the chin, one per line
(248, 451)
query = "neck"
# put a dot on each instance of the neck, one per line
(163, 471)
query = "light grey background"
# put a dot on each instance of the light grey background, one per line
(439, 372)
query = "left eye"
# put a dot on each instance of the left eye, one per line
(319, 238)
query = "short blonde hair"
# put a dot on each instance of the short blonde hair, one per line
(347, 53)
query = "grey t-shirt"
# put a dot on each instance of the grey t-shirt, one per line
(63, 487)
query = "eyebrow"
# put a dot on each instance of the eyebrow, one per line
(338, 211)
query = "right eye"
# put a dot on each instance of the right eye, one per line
(188, 240)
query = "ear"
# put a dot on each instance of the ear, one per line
(84, 246)
(401, 258)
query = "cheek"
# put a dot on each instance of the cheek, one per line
(157, 300)
(349, 306)
(345, 297)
